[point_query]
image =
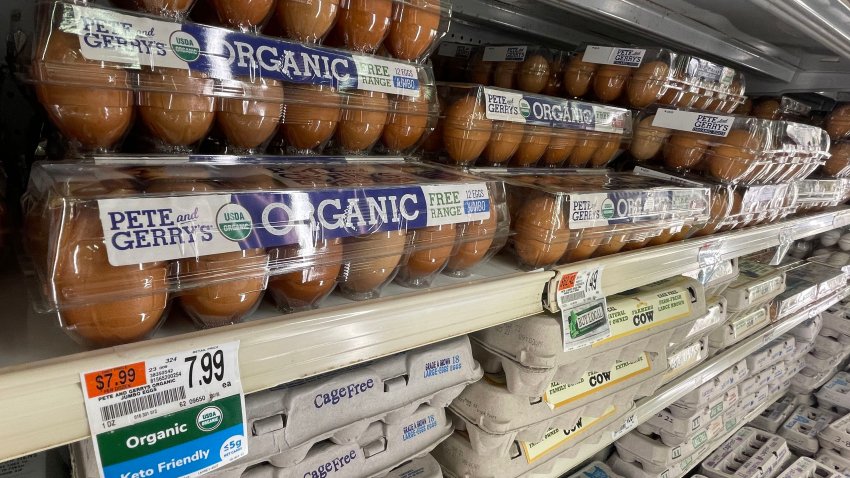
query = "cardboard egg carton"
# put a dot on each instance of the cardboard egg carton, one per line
(802, 428)
(836, 320)
(595, 469)
(836, 436)
(835, 394)
(748, 403)
(829, 279)
(715, 387)
(756, 284)
(773, 375)
(287, 421)
(686, 358)
(803, 399)
(777, 388)
(822, 363)
(772, 352)
(749, 453)
(675, 427)
(536, 342)
(842, 339)
(635, 469)
(799, 292)
(826, 346)
(808, 380)
(422, 467)
(808, 329)
(714, 318)
(528, 460)
(800, 350)
(834, 461)
(494, 418)
(739, 327)
(805, 467)
(775, 415)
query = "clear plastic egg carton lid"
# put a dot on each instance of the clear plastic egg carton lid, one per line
(491, 126)
(814, 194)
(641, 76)
(494, 418)
(529, 68)
(562, 217)
(748, 453)
(124, 237)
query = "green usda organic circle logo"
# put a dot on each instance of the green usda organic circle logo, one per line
(607, 209)
(185, 46)
(524, 108)
(209, 419)
(234, 222)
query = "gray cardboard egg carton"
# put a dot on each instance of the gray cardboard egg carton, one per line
(742, 325)
(835, 394)
(748, 403)
(634, 469)
(774, 374)
(772, 352)
(756, 284)
(802, 428)
(749, 453)
(775, 415)
(422, 467)
(842, 339)
(836, 319)
(808, 380)
(805, 467)
(809, 329)
(829, 279)
(674, 428)
(534, 346)
(826, 346)
(494, 418)
(284, 423)
(836, 436)
(595, 469)
(836, 462)
(686, 358)
(822, 363)
(459, 460)
(715, 387)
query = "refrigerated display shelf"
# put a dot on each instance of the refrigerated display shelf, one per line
(648, 407)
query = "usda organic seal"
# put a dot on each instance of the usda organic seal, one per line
(234, 222)
(185, 46)
(209, 418)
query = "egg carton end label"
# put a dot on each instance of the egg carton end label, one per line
(555, 438)
(605, 55)
(505, 53)
(539, 110)
(702, 123)
(559, 394)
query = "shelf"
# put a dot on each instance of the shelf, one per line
(650, 406)
(633, 269)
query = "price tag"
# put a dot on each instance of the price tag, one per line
(584, 310)
(628, 425)
(580, 287)
(178, 415)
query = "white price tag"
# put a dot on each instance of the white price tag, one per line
(628, 425)
(584, 310)
(580, 287)
(178, 415)
(605, 55)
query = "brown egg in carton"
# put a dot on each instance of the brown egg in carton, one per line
(114, 240)
(489, 126)
(96, 81)
(837, 164)
(529, 68)
(640, 77)
(450, 61)
(780, 108)
(733, 149)
(837, 122)
(563, 216)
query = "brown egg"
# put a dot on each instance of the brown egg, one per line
(744, 108)
(609, 81)
(97, 115)
(837, 164)
(767, 109)
(533, 145)
(479, 70)
(466, 130)
(541, 235)
(838, 122)
(474, 241)
(100, 303)
(560, 147)
(580, 250)
(307, 21)
(362, 122)
(665, 236)
(364, 23)
(243, 14)
(578, 75)
(703, 100)
(415, 27)
(612, 246)
(430, 249)
(533, 74)
(646, 83)
(684, 150)
(166, 8)
(249, 123)
(305, 288)
(251, 177)
(733, 156)
(648, 139)
(182, 112)
(370, 262)
(408, 122)
(311, 114)
(433, 143)
(585, 148)
(609, 146)
(503, 74)
(504, 141)
(554, 85)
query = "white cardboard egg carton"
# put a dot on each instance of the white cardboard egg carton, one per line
(739, 327)
(749, 453)
(494, 418)
(686, 358)
(808, 329)
(834, 461)
(836, 436)
(773, 375)
(527, 460)
(635, 469)
(842, 339)
(800, 350)
(775, 415)
(595, 469)
(835, 394)
(748, 403)
(756, 284)
(802, 428)
(826, 346)
(535, 344)
(422, 467)
(714, 388)
(805, 467)
(713, 319)
(837, 321)
(822, 363)
(771, 353)
(828, 278)
(675, 427)
(808, 380)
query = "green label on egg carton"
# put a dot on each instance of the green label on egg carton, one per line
(560, 394)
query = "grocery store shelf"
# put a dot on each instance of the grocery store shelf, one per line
(649, 406)
(42, 401)
(629, 270)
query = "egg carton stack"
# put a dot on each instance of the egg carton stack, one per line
(802, 428)
(539, 402)
(715, 278)
(828, 355)
(805, 467)
(831, 248)
(380, 416)
(748, 453)
(775, 415)
(834, 443)
(781, 107)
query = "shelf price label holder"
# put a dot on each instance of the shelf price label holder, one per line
(786, 239)
(177, 415)
(584, 309)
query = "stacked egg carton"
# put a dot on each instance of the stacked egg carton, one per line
(538, 402)
(748, 453)
(595, 469)
(377, 416)
(806, 467)
(830, 348)
(835, 445)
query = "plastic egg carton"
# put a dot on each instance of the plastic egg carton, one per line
(756, 284)
(459, 460)
(717, 277)
(749, 453)
(595, 469)
(528, 68)
(818, 194)
(286, 422)
(802, 428)
(805, 467)
(714, 388)
(835, 395)
(531, 352)
(741, 326)
(775, 414)
(834, 461)
(494, 418)
(808, 329)
(677, 425)
(686, 358)
(774, 351)
(836, 436)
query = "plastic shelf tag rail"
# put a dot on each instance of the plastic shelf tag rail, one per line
(584, 309)
(181, 414)
(786, 238)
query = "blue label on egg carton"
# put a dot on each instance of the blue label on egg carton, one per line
(628, 207)
(420, 426)
(136, 41)
(140, 230)
(539, 110)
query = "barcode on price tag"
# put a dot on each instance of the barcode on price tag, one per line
(628, 425)
(584, 310)
(178, 415)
